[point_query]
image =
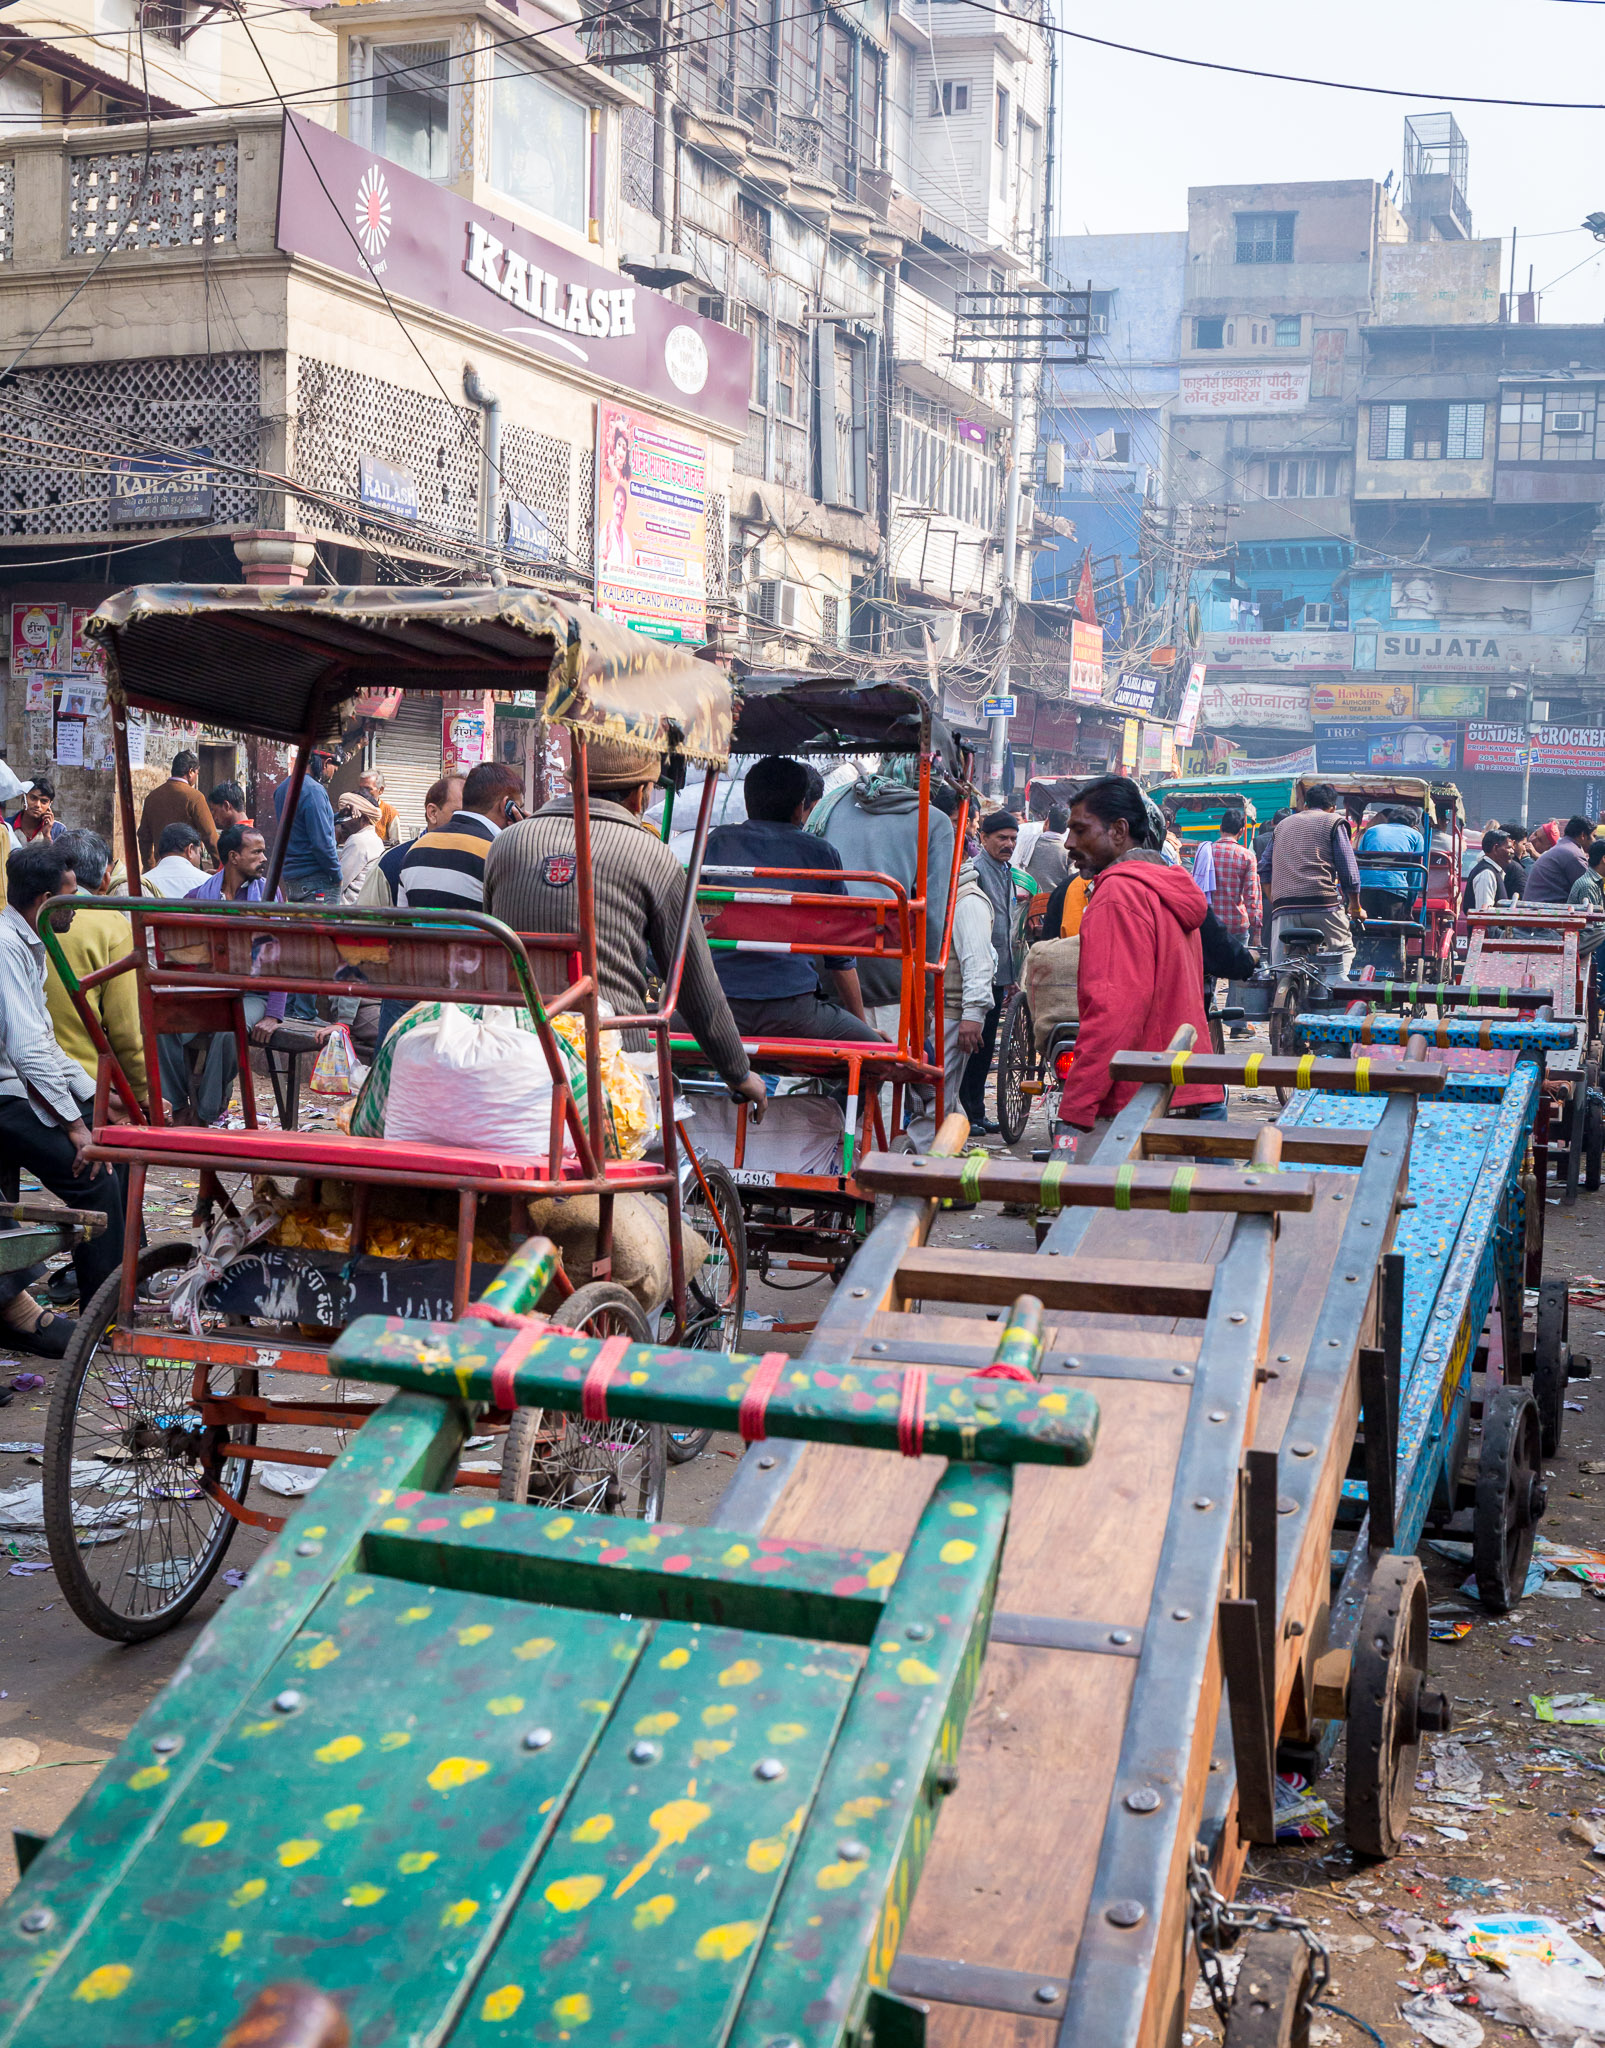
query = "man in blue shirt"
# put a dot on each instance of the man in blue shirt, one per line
(777, 995)
(1390, 893)
(312, 858)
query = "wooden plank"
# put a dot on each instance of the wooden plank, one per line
(1171, 1188)
(938, 1329)
(1317, 1146)
(1335, 1077)
(1120, 1286)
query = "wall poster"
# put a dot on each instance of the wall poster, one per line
(651, 524)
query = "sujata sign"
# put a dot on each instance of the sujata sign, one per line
(1426, 650)
(365, 216)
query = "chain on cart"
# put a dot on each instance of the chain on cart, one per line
(1217, 1925)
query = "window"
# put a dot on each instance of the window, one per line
(1427, 431)
(1289, 330)
(1209, 334)
(1264, 238)
(1102, 311)
(1550, 425)
(1003, 119)
(948, 98)
(539, 144)
(756, 328)
(410, 104)
(752, 228)
(1314, 476)
(788, 392)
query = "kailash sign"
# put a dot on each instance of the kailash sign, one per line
(1281, 387)
(367, 217)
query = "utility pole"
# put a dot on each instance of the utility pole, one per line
(1009, 604)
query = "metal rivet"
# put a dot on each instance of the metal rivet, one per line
(36, 1920)
(308, 1549)
(1302, 1450)
(1120, 1635)
(1286, 1504)
(643, 1753)
(1337, 1198)
(1046, 1994)
(1126, 1913)
(766, 1464)
(852, 1851)
(1217, 1414)
(917, 1631)
(537, 1738)
(858, 1293)
(1071, 1364)
(164, 1745)
(1203, 1501)
(1284, 1358)
(1295, 1628)
(878, 1345)
(782, 2041)
(1237, 1316)
(769, 1768)
(1144, 1801)
(1181, 1372)
(1181, 1614)
(287, 1702)
(1331, 1343)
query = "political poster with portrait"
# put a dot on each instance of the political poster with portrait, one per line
(651, 524)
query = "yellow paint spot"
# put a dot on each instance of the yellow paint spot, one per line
(249, 1892)
(715, 1717)
(724, 1944)
(742, 1672)
(864, 1808)
(707, 1747)
(835, 1876)
(357, 1595)
(502, 2003)
(676, 1660)
(479, 1633)
(596, 1829)
(340, 1750)
(652, 1912)
(109, 1981)
(412, 1861)
(318, 1531)
(279, 1568)
(674, 1822)
(595, 1706)
(738, 1553)
(398, 1525)
(476, 1518)
(537, 1646)
(957, 1552)
(767, 1853)
(962, 1507)
(453, 1771)
(320, 1655)
(181, 2030)
(506, 1703)
(384, 1496)
(459, 1913)
(558, 1528)
(410, 1614)
(233, 1939)
(301, 1850)
(152, 1774)
(260, 1727)
(364, 1895)
(912, 1672)
(205, 1834)
(398, 1738)
(1052, 1404)
(341, 1817)
(787, 1731)
(569, 1894)
(656, 1724)
(883, 1572)
(572, 2010)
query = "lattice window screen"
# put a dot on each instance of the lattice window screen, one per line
(535, 471)
(135, 407)
(585, 525)
(189, 199)
(718, 546)
(342, 415)
(637, 157)
(8, 210)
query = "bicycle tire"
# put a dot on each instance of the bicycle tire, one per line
(1017, 1062)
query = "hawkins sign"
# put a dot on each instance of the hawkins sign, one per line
(360, 214)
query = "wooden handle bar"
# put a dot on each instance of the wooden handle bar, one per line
(1266, 1070)
(1133, 1186)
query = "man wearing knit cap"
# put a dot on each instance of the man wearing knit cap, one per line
(531, 883)
(994, 870)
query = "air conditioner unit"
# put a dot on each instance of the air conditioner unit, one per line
(1567, 423)
(775, 602)
(1317, 618)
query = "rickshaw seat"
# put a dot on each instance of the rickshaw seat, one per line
(334, 1152)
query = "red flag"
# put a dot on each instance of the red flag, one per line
(1086, 603)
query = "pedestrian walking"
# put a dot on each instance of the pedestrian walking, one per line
(994, 872)
(176, 801)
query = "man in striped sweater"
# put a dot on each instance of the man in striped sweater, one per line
(639, 886)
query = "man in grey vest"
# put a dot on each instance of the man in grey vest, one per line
(1313, 873)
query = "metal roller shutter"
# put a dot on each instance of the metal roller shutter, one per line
(407, 754)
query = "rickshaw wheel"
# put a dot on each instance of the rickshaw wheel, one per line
(716, 1298)
(1017, 1064)
(1511, 1497)
(602, 1468)
(1388, 1708)
(134, 1537)
(1551, 1363)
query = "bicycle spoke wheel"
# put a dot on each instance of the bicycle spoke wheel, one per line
(1017, 1062)
(134, 1534)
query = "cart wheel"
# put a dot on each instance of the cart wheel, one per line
(134, 1537)
(1593, 1142)
(1551, 1363)
(1282, 1024)
(1271, 1999)
(1388, 1707)
(604, 1468)
(1511, 1497)
(1017, 1064)
(716, 1299)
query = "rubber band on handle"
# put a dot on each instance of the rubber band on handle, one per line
(1387, 993)
(1443, 995)
(911, 1413)
(970, 1178)
(1178, 1068)
(593, 1389)
(1181, 1190)
(503, 1393)
(1362, 1077)
(503, 1318)
(1251, 1070)
(1124, 1175)
(1048, 1193)
(1415, 993)
(1306, 1067)
(755, 1401)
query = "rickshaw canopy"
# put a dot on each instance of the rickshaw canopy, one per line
(278, 662)
(1382, 788)
(778, 712)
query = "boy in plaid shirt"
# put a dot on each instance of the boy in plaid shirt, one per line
(1234, 896)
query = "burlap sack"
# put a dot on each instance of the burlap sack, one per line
(640, 1244)
(1049, 979)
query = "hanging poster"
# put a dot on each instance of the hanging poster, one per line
(70, 743)
(1086, 661)
(36, 643)
(1130, 745)
(651, 524)
(1362, 700)
(1412, 749)
(1451, 700)
(1191, 696)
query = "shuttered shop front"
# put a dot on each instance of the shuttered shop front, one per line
(407, 754)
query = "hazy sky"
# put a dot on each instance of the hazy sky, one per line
(1136, 133)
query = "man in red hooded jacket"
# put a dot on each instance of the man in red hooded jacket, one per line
(1142, 968)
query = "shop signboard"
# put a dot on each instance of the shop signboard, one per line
(1452, 700)
(1494, 746)
(1086, 662)
(1278, 651)
(157, 488)
(366, 217)
(1568, 750)
(1130, 744)
(1403, 748)
(651, 524)
(1272, 388)
(529, 532)
(1276, 706)
(1362, 700)
(1137, 690)
(1191, 696)
(1427, 650)
(387, 489)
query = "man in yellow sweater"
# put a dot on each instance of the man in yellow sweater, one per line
(94, 939)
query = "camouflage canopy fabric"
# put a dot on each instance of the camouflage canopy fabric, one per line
(278, 661)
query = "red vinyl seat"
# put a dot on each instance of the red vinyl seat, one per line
(333, 1153)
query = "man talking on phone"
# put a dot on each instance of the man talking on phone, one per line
(445, 869)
